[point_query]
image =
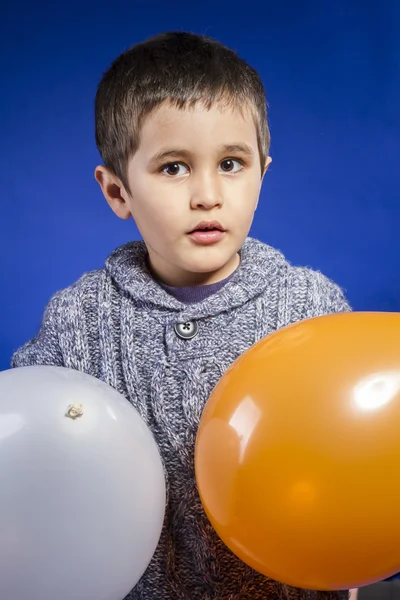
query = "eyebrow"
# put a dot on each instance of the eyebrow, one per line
(240, 148)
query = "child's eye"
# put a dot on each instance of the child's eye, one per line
(174, 169)
(231, 165)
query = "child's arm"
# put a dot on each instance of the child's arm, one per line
(68, 336)
(322, 296)
(292, 593)
(44, 348)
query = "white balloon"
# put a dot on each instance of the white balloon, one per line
(82, 489)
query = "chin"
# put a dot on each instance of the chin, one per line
(207, 266)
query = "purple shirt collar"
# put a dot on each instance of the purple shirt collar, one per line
(196, 293)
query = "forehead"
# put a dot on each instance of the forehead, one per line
(197, 127)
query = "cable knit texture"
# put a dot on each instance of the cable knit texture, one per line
(117, 324)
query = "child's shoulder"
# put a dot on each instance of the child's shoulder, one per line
(83, 291)
(302, 286)
(92, 288)
(126, 265)
(69, 316)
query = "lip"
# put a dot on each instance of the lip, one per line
(206, 238)
(209, 225)
(207, 232)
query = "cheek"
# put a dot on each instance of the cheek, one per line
(157, 217)
(145, 205)
(247, 198)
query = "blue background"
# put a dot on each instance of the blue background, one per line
(330, 199)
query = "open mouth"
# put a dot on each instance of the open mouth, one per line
(207, 227)
(207, 233)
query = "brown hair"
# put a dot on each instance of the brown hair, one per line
(181, 68)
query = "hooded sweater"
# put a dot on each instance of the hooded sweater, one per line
(165, 356)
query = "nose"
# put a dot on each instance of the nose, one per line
(206, 192)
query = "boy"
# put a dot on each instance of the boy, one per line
(181, 126)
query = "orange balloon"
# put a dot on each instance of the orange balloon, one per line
(298, 453)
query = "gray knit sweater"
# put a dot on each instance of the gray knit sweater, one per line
(117, 324)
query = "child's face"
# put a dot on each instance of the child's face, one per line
(192, 165)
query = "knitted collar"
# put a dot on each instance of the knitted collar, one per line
(258, 268)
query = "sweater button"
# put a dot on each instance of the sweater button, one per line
(186, 331)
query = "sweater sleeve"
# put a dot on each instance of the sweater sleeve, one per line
(44, 348)
(292, 593)
(323, 297)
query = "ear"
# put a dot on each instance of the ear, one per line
(267, 163)
(113, 191)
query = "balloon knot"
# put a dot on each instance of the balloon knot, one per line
(74, 411)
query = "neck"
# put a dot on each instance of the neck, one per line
(190, 279)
